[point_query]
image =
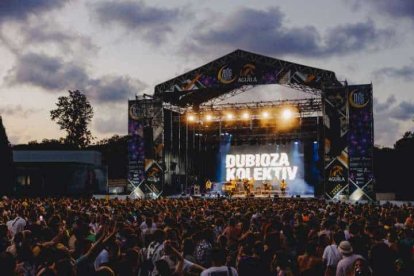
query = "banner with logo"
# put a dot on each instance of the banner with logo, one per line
(136, 150)
(243, 72)
(238, 69)
(335, 142)
(361, 142)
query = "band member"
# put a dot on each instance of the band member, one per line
(266, 186)
(229, 187)
(251, 184)
(196, 189)
(283, 186)
(208, 185)
(233, 184)
(246, 186)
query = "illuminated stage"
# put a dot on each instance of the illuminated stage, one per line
(272, 195)
(320, 145)
(264, 142)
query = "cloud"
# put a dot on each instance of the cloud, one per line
(406, 72)
(404, 111)
(266, 32)
(45, 32)
(382, 107)
(54, 74)
(50, 73)
(391, 119)
(16, 111)
(396, 8)
(151, 22)
(18, 10)
(355, 37)
(115, 88)
(115, 124)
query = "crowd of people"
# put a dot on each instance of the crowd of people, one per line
(207, 237)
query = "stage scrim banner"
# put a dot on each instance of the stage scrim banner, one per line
(361, 142)
(136, 150)
(336, 142)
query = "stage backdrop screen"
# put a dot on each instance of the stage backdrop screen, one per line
(270, 163)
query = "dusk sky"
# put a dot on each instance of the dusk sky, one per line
(113, 50)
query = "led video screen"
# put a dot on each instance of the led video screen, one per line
(270, 163)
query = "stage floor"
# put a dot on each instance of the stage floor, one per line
(215, 195)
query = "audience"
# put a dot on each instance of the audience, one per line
(187, 236)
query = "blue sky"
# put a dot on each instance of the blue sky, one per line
(112, 50)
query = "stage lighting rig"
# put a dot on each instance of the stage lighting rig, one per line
(287, 114)
(191, 118)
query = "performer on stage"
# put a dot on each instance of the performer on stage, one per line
(208, 186)
(229, 187)
(266, 186)
(283, 186)
(246, 186)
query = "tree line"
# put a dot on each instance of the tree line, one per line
(392, 166)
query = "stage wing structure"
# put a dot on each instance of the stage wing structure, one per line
(347, 171)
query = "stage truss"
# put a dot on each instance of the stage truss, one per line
(345, 112)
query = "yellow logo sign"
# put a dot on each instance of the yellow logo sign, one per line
(337, 174)
(226, 75)
(336, 170)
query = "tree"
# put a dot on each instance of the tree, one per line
(73, 114)
(6, 162)
(406, 142)
(114, 154)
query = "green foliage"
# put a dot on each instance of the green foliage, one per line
(73, 114)
(46, 144)
(6, 162)
(406, 143)
(114, 154)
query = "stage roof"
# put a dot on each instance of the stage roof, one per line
(238, 70)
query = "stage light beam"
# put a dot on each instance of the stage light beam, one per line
(265, 115)
(245, 115)
(287, 114)
(229, 116)
(191, 118)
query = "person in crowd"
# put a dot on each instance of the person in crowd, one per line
(345, 266)
(361, 268)
(331, 255)
(218, 267)
(213, 236)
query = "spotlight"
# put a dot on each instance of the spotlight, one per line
(287, 114)
(296, 142)
(265, 115)
(209, 117)
(315, 142)
(190, 118)
(245, 115)
(229, 116)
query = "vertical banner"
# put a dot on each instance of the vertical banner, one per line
(335, 142)
(361, 142)
(136, 145)
(145, 146)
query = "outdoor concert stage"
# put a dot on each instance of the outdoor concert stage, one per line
(184, 135)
